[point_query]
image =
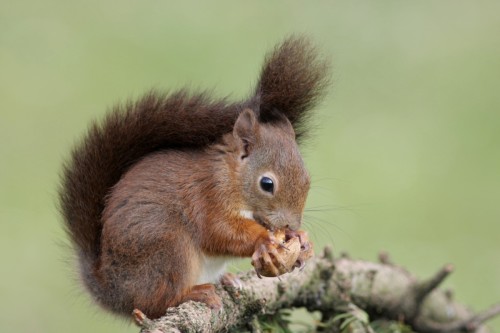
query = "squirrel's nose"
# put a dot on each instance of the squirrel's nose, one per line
(287, 220)
(294, 222)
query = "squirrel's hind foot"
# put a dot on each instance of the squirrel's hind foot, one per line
(204, 293)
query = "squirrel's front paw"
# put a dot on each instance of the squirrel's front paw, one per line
(266, 259)
(306, 247)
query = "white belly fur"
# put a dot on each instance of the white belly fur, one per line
(212, 268)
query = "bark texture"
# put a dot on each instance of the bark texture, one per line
(332, 286)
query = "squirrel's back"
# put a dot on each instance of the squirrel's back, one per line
(292, 79)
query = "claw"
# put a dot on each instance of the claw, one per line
(300, 264)
(302, 267)
(302, 235)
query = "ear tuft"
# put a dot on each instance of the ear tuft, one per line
(278, 119)
(246, 130)
(287, 126)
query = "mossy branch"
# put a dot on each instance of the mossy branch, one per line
(331, 286)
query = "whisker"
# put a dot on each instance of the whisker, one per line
(318, 227)
(330, 207)
(326, 224)
(328, 179)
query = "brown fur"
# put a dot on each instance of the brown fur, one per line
(161, 182)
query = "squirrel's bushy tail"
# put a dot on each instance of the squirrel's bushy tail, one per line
(293, 77)
(292, 80)
(128, 133)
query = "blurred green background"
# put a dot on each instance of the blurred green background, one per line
(406, 156)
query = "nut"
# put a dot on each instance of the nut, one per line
(288, 251)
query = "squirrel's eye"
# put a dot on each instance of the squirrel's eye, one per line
(267, 184)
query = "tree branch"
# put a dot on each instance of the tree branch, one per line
(330, 286)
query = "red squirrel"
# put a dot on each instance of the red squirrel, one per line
(158, 196)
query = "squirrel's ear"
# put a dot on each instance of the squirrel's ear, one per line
(246, 130)
(286, 126)
(278, 119)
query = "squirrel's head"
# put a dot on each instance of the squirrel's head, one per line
(271, 174)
